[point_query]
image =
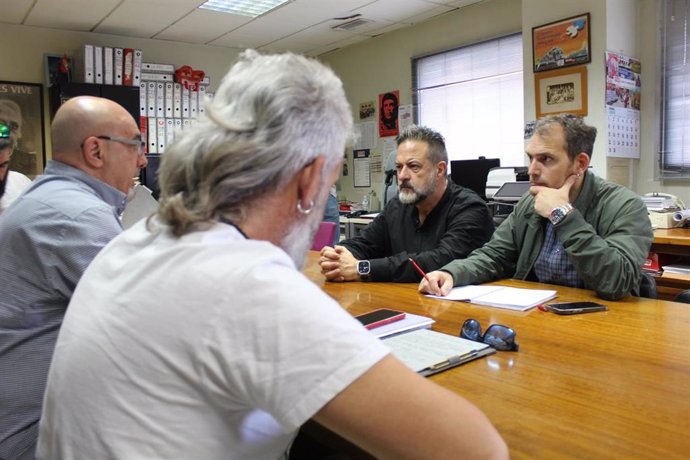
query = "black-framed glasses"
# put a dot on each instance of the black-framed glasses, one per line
(497, 336)
(138, 143)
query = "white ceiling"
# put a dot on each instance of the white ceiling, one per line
(301, 26)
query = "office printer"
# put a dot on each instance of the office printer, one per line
(504, 188)
(499, 176)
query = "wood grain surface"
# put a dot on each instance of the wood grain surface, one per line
(597, 385)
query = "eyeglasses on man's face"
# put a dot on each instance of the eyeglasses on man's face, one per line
(500, 337)
(138, 143)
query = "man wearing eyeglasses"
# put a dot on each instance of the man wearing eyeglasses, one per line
(573, 228)
(12, 183)
(48, 237)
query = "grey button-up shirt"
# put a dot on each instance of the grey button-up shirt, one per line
(47, 239)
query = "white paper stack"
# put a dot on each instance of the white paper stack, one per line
(409, 323)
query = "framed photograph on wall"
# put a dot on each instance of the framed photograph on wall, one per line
(561, 43)
(561, 91)
(21, 107)
(56, 69)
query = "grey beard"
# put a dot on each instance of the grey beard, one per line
(410, 198)
(297, 241)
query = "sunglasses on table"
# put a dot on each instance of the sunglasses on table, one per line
(497, 336)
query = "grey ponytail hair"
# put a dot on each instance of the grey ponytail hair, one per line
(271, 116)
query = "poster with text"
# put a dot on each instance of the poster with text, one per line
(21, 109)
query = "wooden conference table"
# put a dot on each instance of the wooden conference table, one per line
(598, 385)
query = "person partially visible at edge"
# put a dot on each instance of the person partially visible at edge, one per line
(573, 228)
(48, 237)
(12, 183)
(195, 335)
(432, 220)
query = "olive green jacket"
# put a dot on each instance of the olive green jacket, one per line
(607, 237)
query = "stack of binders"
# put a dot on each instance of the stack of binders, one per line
(105, 65)
(166, 106)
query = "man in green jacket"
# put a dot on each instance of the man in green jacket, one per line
(573, 229)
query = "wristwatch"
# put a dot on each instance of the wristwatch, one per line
(559, 213)
(364, 268)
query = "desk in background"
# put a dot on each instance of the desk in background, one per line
(672, 242)
(351, 226)
(611, 384)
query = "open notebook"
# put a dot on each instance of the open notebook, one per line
(500, 296)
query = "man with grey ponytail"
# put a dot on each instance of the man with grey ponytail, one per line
(195, 335)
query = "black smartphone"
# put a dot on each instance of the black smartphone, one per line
(573, 308)
(380, 317)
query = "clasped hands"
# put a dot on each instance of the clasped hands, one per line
(338, 264)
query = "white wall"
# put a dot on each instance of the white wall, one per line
(384, 63)
(621, 37)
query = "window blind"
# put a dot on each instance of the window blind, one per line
(675, 111)
(473, 95)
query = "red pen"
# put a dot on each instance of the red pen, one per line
(421, 272)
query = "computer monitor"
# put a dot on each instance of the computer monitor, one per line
(472, 173)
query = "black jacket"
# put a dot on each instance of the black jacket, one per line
(459, 223)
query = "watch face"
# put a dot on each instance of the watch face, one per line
(557, 215)
(363, 267)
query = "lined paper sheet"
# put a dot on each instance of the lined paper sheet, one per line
(423, 348)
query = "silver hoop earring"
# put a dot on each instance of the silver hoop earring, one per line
(305, 211)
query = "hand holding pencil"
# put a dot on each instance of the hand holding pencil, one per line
(419, 269)
(436, 282)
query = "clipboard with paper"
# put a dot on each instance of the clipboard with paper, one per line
(429, 352)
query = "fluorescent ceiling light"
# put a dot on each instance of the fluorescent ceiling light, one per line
(251, 8)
